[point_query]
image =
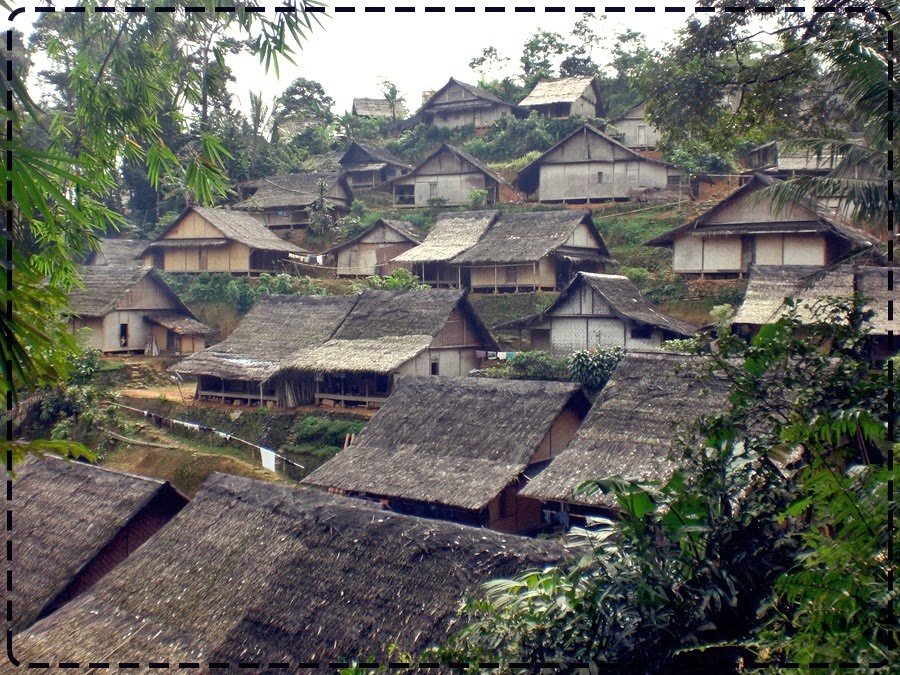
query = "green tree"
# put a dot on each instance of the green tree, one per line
(393, 96)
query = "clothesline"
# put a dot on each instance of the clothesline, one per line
(500, 356)
(267, 455)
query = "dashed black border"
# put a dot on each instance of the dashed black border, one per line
(530, 666)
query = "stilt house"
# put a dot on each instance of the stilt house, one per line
(601, 310)
(221, 584)
(745, 229)
(564, 97)
(129, 308)
(218, 240)
(628, 433)
(74, 523)
(459, 449)
(372, 251)
(368, 165)
(458, 104)
(285, 202)
(633, 130)
(589, 166)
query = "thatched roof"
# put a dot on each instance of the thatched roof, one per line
(811, 216)
(252, 572)
(371, 153)
(483, 94)
(117, 252)
(385, 329)
(388, 186)
(637, 112)
(66, 513)
(269, 336)
(452, 234)
(377, 107)
(403, 228)
(449, 440)
(104, 286)
(768, 288)
(527, 237)
(559, 90)
(528, 177)
(295, 190)
(624, 299)
(631, 426)
(183, 325)
(234, 225)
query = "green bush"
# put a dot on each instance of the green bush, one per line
(593, 367)
(532, 365)
(321, 431)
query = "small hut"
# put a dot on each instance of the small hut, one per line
(633, 130)
(286, 202)
(256, 573)
(446, 177)
(74, 523)
(392, 333)
(600, 310)
(129, 308)
(564, 97)
(532, 251)
(458, 104)
(809, 288)
(775, 158)
(745, 229)
(368, 165)
(377, 108)
(244, 367)
(452, 234)
(589, 166)
(429, 452)
(218, 240)
(117, 252)
(628, 433)
(372, 251)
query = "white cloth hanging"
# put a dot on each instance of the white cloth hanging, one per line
(268, 459)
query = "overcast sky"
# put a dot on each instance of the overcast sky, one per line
(351, 53)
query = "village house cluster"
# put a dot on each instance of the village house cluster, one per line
(453, 474)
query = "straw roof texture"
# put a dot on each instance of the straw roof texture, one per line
(104, 286)
(252, 572)
(373, 152)
(234, 225)
(117, 252)
(268, 337)
(384, 330)
(475, 91)
(65, 514)
(630, 429)
(527, 237)
(448, 440)
(377, 107)
(452, 234)
(401, 227)
(559, 90)
(289, 190)
(813, 216)
(873, 284)
(183, 325)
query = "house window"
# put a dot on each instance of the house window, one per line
(405, 194)
(503, 113)
(435, 368)
(432, 190)
(639, 332)
(512, 275)
(599, 176)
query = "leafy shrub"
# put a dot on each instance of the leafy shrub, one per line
(401, 279)
(593, 367)
(323, 431)
(533, 365)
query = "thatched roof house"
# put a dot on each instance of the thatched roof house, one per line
(601, 310)
(589, 166)
(744, 229)
(367, 165)
(377, 108)
(296, 350)
(458, 104)
(446, 177)
(531, 251)
(117, 252)
(129, 308)
(629, 430)
(564, 97)
(256, 573)
(73, 524)
(243, 366)
(429, 452)
(218, 240)
(774, 158)
(633, 130)
(372, 252)
(810, 287)
(285, 202)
